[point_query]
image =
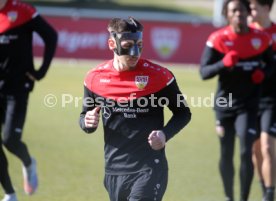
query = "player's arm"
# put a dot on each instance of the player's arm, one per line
(270, 62)
(49, 37)
(213, 62)
(89, 117)
(181, 114)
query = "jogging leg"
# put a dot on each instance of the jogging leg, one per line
(150, 185)
(13, 126)
(147, 185)
(117, 187)
(226, 166)
(268, 152)
(4, 174)
(246, 123)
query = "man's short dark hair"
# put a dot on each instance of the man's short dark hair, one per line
(225, 5)
(119, 25)
(269, 3)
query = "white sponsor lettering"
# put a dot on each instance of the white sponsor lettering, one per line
(248, 65)
(74, 41)
(130, 116)
(105, 80)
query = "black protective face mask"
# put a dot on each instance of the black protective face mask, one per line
(135, 50)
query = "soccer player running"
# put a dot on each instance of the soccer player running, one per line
(240, 56)
(17, 76)
(130, 92)
(264, 148)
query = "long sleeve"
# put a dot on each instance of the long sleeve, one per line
(88, 104)
(211, 63)
(181, 112)
(270, 62)
(50, 37)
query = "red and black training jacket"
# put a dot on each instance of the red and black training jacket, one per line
(18, 22)
(132, 107)
(235, 84)
(268, 98)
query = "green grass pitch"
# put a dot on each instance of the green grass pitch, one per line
(70, 162)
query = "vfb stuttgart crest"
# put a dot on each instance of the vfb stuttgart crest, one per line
(274, 37)
(12, 15)
(256, 43)
(141, 81)
(165, 41)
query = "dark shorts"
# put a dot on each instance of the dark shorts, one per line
(267, 122)
(243, 124)
(147, 185)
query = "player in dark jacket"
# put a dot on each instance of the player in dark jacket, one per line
(264, 147)
(17, 76)
(240, 56)
(131, 93)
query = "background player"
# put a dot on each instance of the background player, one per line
(17, 76)
(264, 148)
(236, 53)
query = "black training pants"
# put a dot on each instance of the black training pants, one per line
(147, 185)
(13, 110)
(4, 174)
(244, 125)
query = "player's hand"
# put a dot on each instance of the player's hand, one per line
(92, 118)
(257, 76)
(31, 76)
(230, 59)
(157, 139)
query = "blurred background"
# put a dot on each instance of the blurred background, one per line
(170, 26)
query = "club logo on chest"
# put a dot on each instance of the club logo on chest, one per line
(141, 81)
(256, 43)
(274, 37)
(12, 15)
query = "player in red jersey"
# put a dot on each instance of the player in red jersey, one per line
(17, 76)
(264, 148)
(240, 56)
(131, 93)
